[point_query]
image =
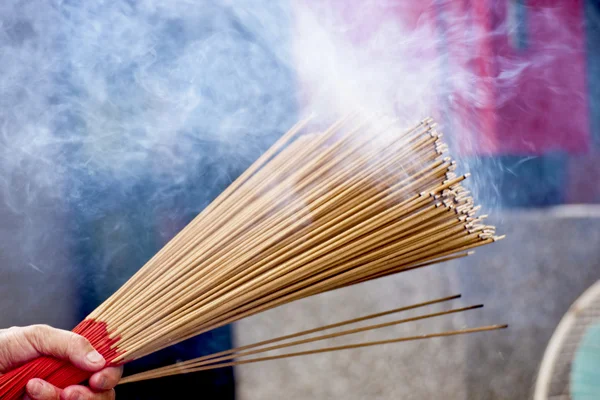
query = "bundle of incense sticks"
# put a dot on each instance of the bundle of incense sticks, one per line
(317, 212)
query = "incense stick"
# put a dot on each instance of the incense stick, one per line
(143, 376)
(197, 362)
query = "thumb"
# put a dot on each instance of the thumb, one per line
(25, 344)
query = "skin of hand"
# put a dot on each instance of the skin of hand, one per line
(20, 345)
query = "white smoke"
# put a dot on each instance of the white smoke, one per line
(100, 97)
(117, 117)
(411, 60)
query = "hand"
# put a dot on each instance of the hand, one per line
(19, 345)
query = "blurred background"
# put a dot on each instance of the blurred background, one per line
(121, 120)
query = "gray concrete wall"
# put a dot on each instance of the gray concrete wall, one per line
(528, 280)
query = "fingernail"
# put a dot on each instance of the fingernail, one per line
(94, 357)
(35, 387)
(76, 396)
(103, 382)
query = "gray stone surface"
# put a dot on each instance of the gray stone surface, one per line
(528, 280)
